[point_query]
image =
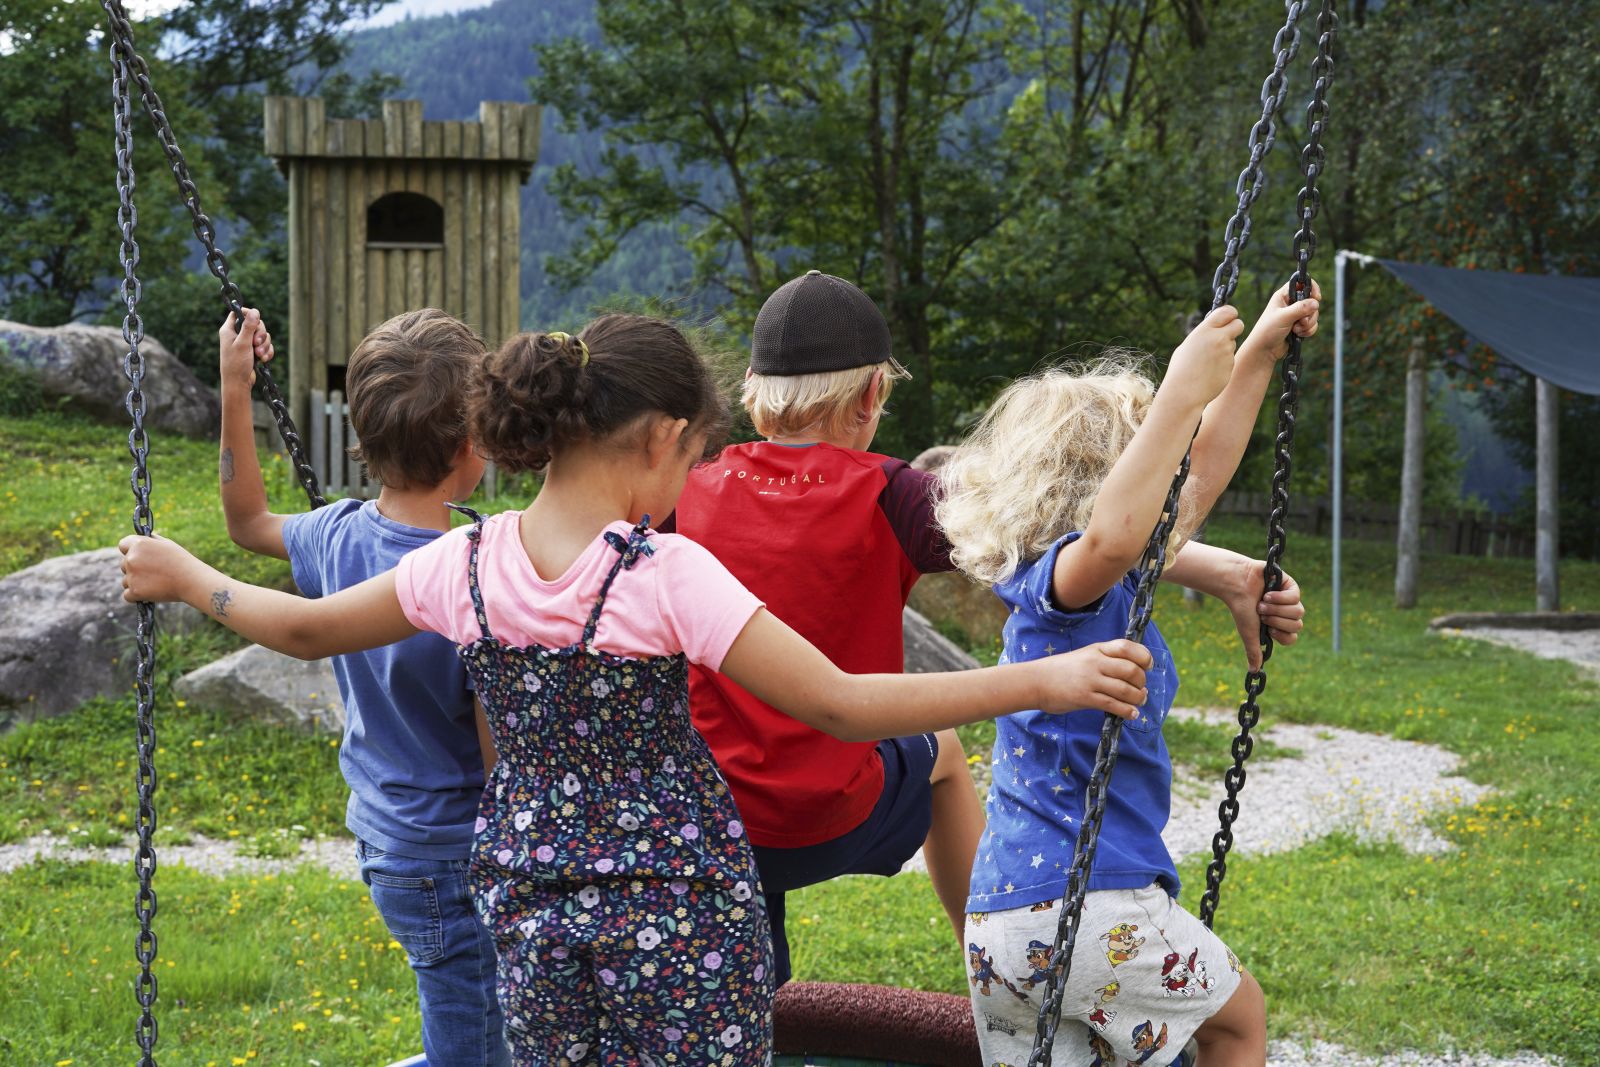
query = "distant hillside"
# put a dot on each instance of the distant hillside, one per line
(451, 63)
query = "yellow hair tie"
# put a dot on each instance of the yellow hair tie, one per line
(583, 350)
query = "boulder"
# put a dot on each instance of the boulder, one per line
(928, 651)
(258, 683)
(66, 636)
(85, 363)
(931, 459)
(953, 599)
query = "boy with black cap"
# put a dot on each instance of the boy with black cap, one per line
(832, 537)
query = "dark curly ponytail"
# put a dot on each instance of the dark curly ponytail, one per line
(543, 391)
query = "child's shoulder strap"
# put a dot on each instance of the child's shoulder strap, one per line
(475, 536)
(629, 550)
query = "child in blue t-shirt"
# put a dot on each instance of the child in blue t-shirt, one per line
(414, 751)
(1052, 500)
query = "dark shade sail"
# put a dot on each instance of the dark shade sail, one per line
(1547, 324)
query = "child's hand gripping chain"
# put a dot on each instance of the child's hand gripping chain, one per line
(1237, 581)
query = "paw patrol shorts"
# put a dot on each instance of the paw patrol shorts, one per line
(1145, 975)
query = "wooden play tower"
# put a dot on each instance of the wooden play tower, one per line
(386, 215)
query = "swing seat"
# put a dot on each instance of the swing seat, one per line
(414, 1061)
(842, 1025)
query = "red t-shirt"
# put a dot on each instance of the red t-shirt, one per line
(832, 540)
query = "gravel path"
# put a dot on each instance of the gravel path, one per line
(221, 858)
(1322, 1054)
(1580, 646)
(1368, 785)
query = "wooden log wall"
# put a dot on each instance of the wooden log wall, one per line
(339, 286)
(1453, 531)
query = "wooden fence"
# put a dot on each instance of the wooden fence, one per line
(1454, 531)
(328, 438)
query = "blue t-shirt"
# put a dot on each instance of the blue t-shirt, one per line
(410, 752)
(1042, 762)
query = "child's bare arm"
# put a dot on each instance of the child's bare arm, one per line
(1225, 429)
(1238, 581)
(785, 670)
(251, 523)
(358, 618)
(1130, 501)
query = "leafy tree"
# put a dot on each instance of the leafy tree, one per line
(58, 193)
(843, 135)
(211, 61)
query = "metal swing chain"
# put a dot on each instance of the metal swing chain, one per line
(216, 261)
(1312, 160)
(139, 447)
(1263, 135)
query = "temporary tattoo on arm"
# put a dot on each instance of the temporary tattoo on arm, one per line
(219, 602)
(226, 465)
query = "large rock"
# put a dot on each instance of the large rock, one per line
(66, 636)
(258, 683)
(928, 651)
(952, 599)
(85, 363)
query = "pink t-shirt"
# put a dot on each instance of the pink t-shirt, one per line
(680, 599)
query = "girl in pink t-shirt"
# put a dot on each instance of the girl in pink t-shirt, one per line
(610, 862)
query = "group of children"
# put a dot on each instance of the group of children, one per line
(587, 753)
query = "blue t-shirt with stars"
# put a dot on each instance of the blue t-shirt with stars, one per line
(1042, 762)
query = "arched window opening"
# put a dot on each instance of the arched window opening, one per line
(405, 220)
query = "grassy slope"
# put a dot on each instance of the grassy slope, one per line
(1489, 947)
(65, 485)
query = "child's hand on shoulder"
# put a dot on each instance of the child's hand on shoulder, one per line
(153, 569)
(1281, 318)
(242, 347)
(1108, 676)
(1281, 610)
(1203, 363)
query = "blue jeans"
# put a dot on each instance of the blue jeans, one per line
(425, 905)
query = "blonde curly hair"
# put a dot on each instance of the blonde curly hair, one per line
(1031, 469)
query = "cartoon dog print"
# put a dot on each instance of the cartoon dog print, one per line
(1104, 1055)
(1121, 945)
(1147, 1042)
(1101, 1018)
(983, 972)
(1039, 964)
(1043, 905)
(1185, 978)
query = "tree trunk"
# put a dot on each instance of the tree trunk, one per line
(1547, 534)
(1410, 538)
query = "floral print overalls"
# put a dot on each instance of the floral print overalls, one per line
(610, 863)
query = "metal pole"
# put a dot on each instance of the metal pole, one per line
(1547, 534)
(1338, 439)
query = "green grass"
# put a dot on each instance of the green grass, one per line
(269, 970)
(215, 777)
(64, 483)
(1488, 947)
(1491, 946)
(64, 488)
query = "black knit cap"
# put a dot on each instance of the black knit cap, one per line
(818, 323)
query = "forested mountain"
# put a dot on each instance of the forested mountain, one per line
(451, 63)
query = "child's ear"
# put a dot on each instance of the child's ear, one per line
(871, 393)
(666, 435)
